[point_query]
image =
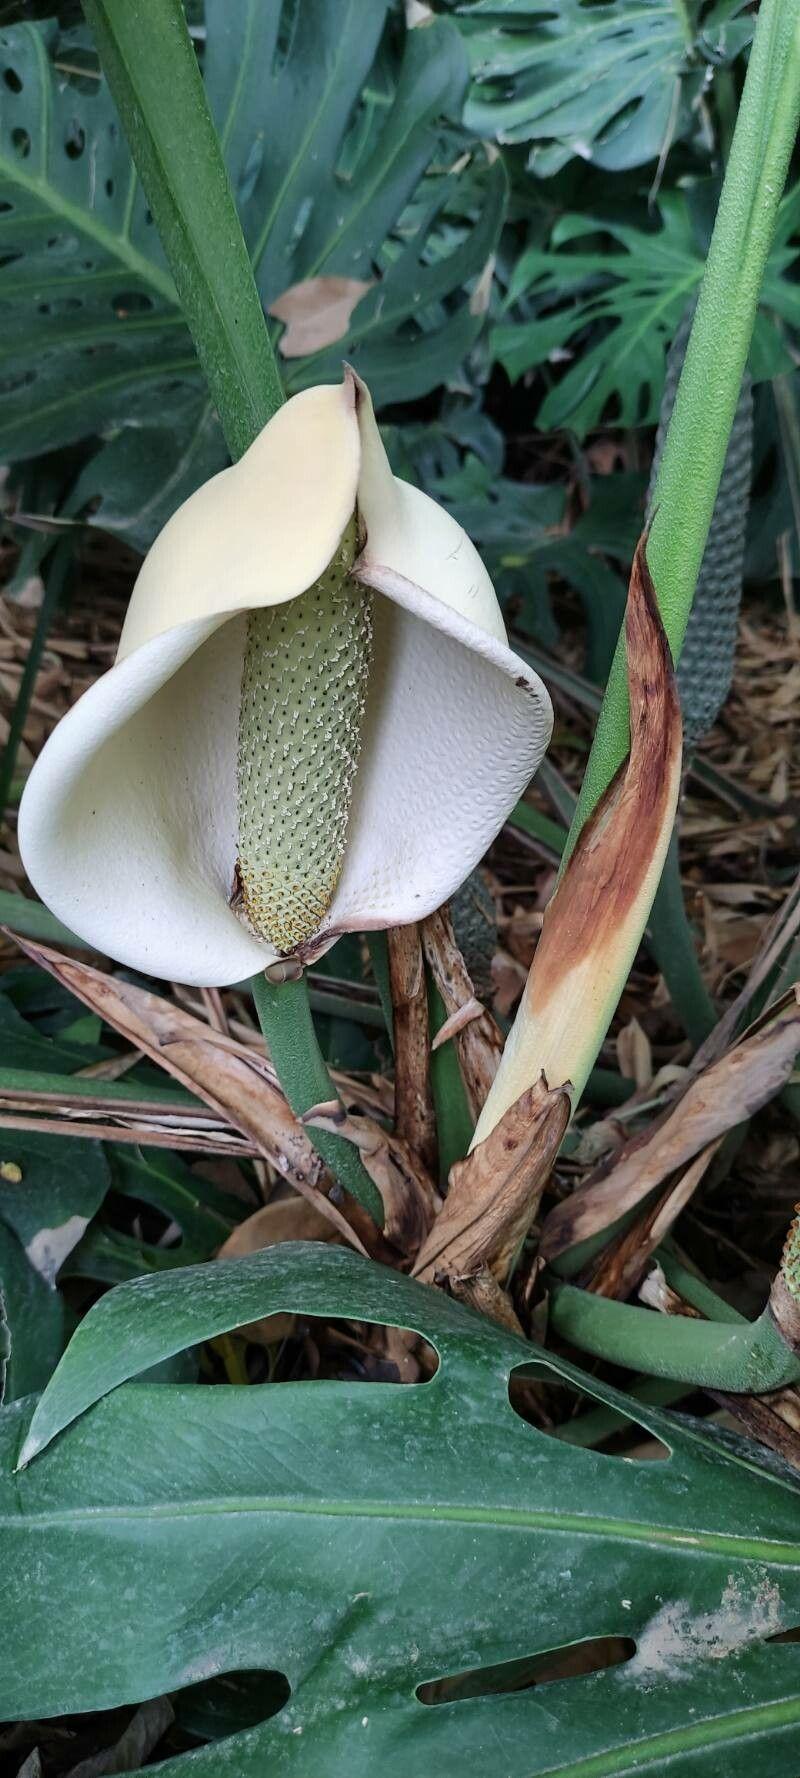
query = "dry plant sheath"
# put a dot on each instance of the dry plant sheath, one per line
(495, 1192)
(723, 1095)
(415, 1120)
(478, 1039)
(595, 920)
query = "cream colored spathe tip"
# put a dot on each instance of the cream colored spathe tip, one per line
(128, 823)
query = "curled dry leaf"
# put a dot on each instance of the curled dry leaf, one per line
(483, 1293)
(144, 1122)
(634, 1054)
(317, 313)
(725, 1094)
(595, 919)
(415, 1119)
(623, 1264)
(477, 1037)
(233, 1079)
(495, 1192)
(409, 1198)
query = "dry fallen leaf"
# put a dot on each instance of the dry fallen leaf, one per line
(634, 1054)
(624, 1262)
(317, 313)
(727, 1093)
(234, 1079)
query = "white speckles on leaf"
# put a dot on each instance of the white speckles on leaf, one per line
(676, 1638)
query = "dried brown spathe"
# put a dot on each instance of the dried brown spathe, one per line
(495, 1192)
(595, 920)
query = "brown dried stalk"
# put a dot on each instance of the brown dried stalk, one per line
(495, 1192)
(478, 1039)
(415, 1118)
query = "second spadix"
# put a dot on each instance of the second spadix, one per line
(307, 731)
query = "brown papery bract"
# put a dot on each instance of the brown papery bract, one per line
(595, 920)
(495, 1192)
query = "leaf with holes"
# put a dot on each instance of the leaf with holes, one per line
(615, 310)
(419, 1562)
(94, 341)
(615, 84)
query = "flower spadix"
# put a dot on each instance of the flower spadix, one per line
(314, 724)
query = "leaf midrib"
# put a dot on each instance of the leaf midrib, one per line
(85, 224)
(74, 397)
(497, 1518)
(721, 1730)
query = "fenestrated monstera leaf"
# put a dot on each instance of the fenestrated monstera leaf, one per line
(615, 84)
(368, 1541)
(329, 136)
(632, 298)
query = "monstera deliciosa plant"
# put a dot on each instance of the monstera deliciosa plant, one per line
(315, 726)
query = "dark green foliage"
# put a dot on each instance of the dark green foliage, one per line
(474, 919)
(614, 292)
(617, 84)
(94, 339)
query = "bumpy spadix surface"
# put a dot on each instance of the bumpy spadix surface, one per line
(304, 685)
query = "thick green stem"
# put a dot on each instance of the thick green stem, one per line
(454, 1125)
(284, 1015)
(151, 68)
(671, 943)
(697, 439)
(378, 947)
(742, 1358)
(601, 1423)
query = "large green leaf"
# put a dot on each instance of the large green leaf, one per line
(615, 84)
(615, 311)
(366, 1540)
(330, 137)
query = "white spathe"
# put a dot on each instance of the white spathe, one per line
(128, 822)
